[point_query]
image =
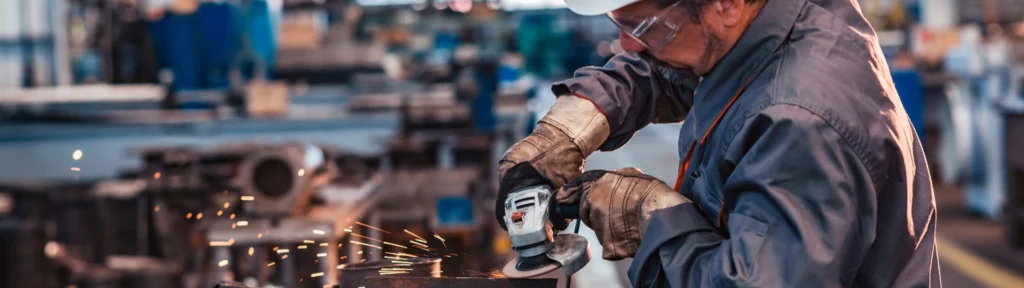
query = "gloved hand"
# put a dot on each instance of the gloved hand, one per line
(618, 206)
(554, 153)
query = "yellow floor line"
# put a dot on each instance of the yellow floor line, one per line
(974, 267)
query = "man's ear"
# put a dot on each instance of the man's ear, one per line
(730, 12)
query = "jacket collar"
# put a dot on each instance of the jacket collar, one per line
(765, 34)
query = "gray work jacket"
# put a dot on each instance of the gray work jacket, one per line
(814, 178)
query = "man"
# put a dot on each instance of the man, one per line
(799, 165)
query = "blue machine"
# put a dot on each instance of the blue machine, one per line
(909, 86)
(203, 48)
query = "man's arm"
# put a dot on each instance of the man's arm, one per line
(801, 201)
(631, 92)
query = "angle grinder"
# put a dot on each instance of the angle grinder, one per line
(528, 219)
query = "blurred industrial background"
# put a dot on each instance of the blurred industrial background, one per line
(304, 143)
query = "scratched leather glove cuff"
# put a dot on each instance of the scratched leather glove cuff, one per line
(555, 151)
(618, 206)
(572, 130)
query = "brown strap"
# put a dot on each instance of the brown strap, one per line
(686, 161)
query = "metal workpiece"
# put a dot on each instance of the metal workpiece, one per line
(424, 282)
(358, 274)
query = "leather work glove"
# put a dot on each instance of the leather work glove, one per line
(554, 153)
(618, 206)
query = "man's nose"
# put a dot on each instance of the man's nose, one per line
(629, 43)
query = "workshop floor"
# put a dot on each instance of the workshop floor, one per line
(972, 251)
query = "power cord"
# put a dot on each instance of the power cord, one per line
(568, 279)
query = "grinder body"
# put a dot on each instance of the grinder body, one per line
(528, 214)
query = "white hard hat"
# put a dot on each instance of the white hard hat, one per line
(596, 7)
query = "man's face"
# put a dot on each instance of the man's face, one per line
(696, 47)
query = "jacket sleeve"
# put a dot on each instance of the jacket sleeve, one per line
(793, 214)
(631, 92)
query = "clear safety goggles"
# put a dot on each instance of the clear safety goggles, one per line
(654, 32)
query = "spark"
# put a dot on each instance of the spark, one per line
(156, 208)
(396, 269)
(275, 248)
(232, 216)
(233, 226)
(319, 232)
(220, 212)
(248, 198)
(188, 216)
(342, 257)
(323, 244)
(308, 241)
(364, 244)
(271, 264)
(418, 244)
(442, 241)
(226, 205)
(342, 266)
(401, 254)
(317, 274)
(284, 257)
(259, 236)
(243, 223)
(401, 262)
(251, 250)
(302, 247)
(222, 263)
(282, 251)
(361, 261)
(348, 230)
(361, 236)
(302, 172)
(371, 227)
(156, 175)
(360, 252)
(321, 255)
(76, 169)
(221, 243)
(199, 216)
(424, 242)
(414, 234)
(339, 245)
(424, 249)
(76, 155)
(393, 244)
(393, 258)
(382, 273)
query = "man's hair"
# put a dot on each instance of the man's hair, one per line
(693, 7)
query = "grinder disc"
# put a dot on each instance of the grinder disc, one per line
(511, 271)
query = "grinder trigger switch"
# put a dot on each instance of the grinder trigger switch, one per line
(517, 217)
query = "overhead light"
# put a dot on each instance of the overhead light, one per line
(440, 4)
(462, 6)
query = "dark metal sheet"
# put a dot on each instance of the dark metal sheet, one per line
(423, 282)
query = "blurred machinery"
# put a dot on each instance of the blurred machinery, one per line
(980, 117)
(149, 225)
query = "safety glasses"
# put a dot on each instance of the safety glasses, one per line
(654, 32)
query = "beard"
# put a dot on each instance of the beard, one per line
(671, 74)
(686, 76)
